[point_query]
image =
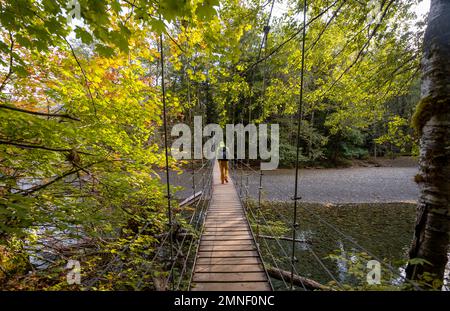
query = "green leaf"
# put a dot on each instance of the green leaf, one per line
(82, 34)
(158, 26)
(104, 50)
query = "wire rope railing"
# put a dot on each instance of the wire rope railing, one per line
(269, 227)
(195, 220)
(336, 230)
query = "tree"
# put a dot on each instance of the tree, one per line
(79, 140)
(432, 120)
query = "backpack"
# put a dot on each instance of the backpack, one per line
(224, 154)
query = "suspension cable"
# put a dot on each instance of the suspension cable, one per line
(300, 107)
(202, 226)
(184, 237)
(267, 245)
(275, 262)
(261, 45)
(166, 149)
(199, 227)
(181, 246)
(279, 244)
(350, 239)
(150, 264)
(277, 239)
(312, 252)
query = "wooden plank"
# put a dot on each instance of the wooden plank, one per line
(225, 229)
(216, 222)
(225, 254)
(191, 199)
(242, 232)
(237, 247)
(236, 214)
(227, 242)
(230, 277)
(242, 286)
(230, 219)
(226, 222)
(228, 238)
(228, 210)
(226, 214)
(225, 226)
(225, 218)
(211, 227)
(229, 216)
(229, 268)
(228, 261)
(226, 233)
(218, 203)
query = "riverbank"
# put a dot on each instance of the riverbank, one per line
(348, 185)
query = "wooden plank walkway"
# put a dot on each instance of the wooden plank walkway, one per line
(227, 257)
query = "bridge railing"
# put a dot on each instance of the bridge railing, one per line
(275, 247)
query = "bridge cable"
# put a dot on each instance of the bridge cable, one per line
(272, 232)
(300, 108)
(150, 264)
(352, 241)
(180, 248)
(163, 89)
(252, 234)
(263, 43)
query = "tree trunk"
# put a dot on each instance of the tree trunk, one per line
(432, 120)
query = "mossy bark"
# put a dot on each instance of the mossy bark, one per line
(432, 120)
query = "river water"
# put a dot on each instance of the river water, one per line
(353, 233)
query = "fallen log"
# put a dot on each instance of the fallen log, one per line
(297, 280)
(191, 199)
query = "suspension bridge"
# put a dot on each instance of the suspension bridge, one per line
(231, 253)
(227, 257)
(222, 248)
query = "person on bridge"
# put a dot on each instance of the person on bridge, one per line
(223, 156)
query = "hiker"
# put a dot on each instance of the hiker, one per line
(223, 156)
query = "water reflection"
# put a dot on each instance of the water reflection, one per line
(384, 230)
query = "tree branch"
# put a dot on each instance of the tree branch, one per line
(361, 51)
(40, 187)
(32, 146)
(86, 81)
(175, 42)
(276, 49)
(57, 115)
(335, 13)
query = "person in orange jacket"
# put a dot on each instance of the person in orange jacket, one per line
(223, 156)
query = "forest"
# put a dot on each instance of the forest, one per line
(89, 91)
